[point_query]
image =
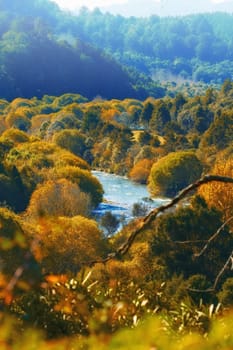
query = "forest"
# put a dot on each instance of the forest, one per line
(110, 56)
(164, 279)
(60, 273)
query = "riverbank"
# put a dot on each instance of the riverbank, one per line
(121, 194)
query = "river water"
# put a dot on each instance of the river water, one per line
(120, 194)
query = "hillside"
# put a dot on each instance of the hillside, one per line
(191, 52)
(190, 48)
(34, 62)
(195, 47)
(162, 8)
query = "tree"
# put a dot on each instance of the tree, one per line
(72, 140)
(226, 293)
(91, 119)
(141, 171)
(109, 222)
(19, 268)
(15, 135)
(220, 131)
(87, 182)
(139, 209)
(193, 224)
(146, 113)
(19, 121)
(218, 195)
(58, 198)
(67, 243)
(173, 172)
(144, 138)
(160, 117)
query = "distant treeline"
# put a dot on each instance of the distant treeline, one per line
(197, 47)
(46, 51)
(35, 60)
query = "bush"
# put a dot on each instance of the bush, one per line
(72, 140)
(110, 222)
(226, 294)
(69, 243)
(58, 198)
(173, 172)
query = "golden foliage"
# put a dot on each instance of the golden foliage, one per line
(217, 194)
(141, 171)
(42, 154)
(68, 243)
(83, 178)
(108, 115)
(15, 135)
(58, 198)
(2, 125)
(19, 270)
(38, 120)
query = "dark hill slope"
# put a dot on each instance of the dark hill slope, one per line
(33, 62)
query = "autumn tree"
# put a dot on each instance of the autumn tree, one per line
(58, 198)
(109, 222)
(220, 195)
(19, 120)
(19, 269)
(220, 132)
(160, 117)
(71, 140)
(87, 182)
(173, 172)
(146, 112)
(69, 243)
(178, 239)
(141, 171)
(15, 135)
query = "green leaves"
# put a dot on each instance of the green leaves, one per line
(173, 172)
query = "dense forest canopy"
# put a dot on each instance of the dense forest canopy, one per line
(34, 62)
(192, 48)
(55, 274)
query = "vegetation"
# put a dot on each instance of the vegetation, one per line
(138, 57)
(59, 271)
(172, 173)
(164, 279)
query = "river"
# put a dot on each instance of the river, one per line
(120, 194)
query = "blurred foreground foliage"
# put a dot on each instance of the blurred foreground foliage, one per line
(152, 333)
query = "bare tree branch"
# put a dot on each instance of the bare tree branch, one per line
(190, 242)
(215, 235)
(213, 288)
(142, 224)
(222, 270)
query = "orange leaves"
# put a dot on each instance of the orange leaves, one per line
(217, 194)
(68, 243)
(141, 171)
(108, 115)
(52, 279)
(19, 270)
(58, 198)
